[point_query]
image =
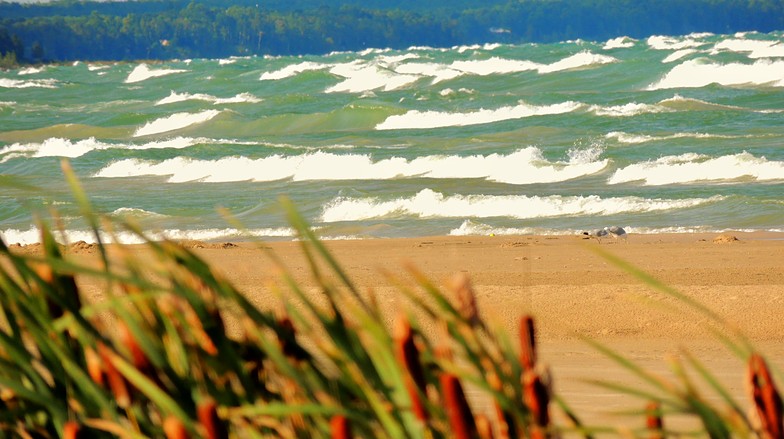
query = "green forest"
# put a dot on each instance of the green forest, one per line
(154, 29)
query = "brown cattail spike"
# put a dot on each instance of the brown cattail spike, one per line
(466, 299)
(138, 357)
(174, 429)
(461, 420)
(408, 355)
(653, 420)
(766, 398)
(527, 343)
(214, 427)
(287, 335)
(72, 430)
(483, 427)
(116, 381)
(94, 366)
(340, 427)
(537, 398)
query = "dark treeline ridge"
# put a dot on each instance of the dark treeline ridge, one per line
(152, 29)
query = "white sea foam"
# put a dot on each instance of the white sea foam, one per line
(416, 119)
(34, 83)
(175, 97)
(660, 42)
(393, 72)
(691, 167)
(494, 66)
(627, 138)
(96, 67)
(524, 166)
(59, 147)
(175, 121)
(135, 212)
(33, 235)
(678, 54)
(627, 110)
(31, 70)
(699, 73)
(755, 48)
(579, 60)
(293, 70)
(143, 72)
(474, 228)
(361, 77)
(431, 204)
(619, 43)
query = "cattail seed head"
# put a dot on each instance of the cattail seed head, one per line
(461, 420)
(94, 366)
(287, 336)
(72, 430)
(214, 427)
(653, 420)
(527, 343)
(174, 429)
(340, 427)
(138, 357)
(537, 398)
(466, 299)
(766, 398)
(483, 427)
(116, 381)
(408, 355)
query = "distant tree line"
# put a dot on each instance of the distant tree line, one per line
(154, 29)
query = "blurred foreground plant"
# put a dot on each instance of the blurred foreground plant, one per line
(153, 358)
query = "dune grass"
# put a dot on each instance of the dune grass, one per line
(154, 357)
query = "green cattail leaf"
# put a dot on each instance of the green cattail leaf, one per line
(714, 424)
(52, 405)
(657, 382)
(714, 383)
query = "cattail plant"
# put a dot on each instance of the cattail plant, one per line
(653, 420)
(766, 398)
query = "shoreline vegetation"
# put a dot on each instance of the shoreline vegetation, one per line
(157, 30)
(485, 337)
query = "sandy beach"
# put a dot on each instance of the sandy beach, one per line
(572, 292)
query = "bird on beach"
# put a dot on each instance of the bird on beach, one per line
(613, 231)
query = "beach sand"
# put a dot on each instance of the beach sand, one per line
(573, 293)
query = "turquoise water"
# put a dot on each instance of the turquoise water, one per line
(674, 134)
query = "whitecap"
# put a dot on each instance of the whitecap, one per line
(35, 83)
(523, 166)
(700, 73)
(175, 121)
(692, 168)
(428, 203)
(143, 72)
(416, 119)
(619, 43)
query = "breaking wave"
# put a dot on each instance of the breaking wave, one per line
(175, 121)
(240, 98)
(691, 167)
(143, 72)
(700, 73)
(431, 204)
(33, 235)
(416, 119)
(525, 166)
